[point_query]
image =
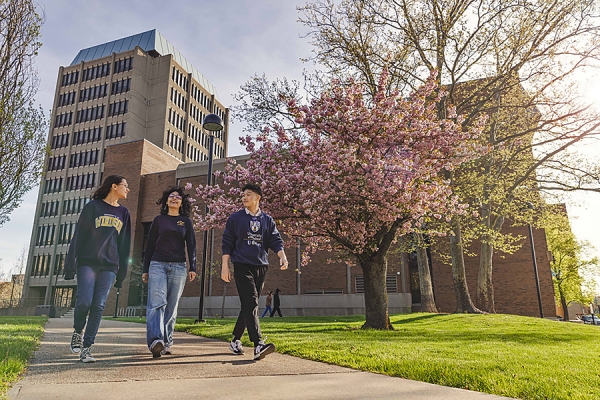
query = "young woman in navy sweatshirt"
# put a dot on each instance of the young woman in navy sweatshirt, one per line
(171, 234)
(248, 236)
(99, 253)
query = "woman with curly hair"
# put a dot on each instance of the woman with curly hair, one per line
(164, 270)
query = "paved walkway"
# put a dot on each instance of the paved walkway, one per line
(200, 368)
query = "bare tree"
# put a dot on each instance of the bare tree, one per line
(22, 126)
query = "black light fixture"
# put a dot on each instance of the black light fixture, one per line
(530, 206)
(212, 123)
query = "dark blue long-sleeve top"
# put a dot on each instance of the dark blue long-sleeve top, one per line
(167, 241)
(102, 239)
(247, 238)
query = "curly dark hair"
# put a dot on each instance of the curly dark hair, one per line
(186, 205)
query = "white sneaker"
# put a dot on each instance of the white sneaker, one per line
(236, 347)
(86, 355)
(262, 349)
(166, 351)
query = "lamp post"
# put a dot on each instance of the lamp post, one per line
(529, 206)
(211, 123)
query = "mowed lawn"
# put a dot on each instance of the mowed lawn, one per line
(19, 338)
(508, 355)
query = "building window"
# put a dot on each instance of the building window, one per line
(391, 283)
(83, 158)
(97, 71)
(90, 114)
(53, 185)
(64, 119)
(56, 163)
(118, 108)
(89, 135)
(125, 64)
(45, 235)
(60, 141)
(80, 182)
(66, 99)
(115, 130)
(121, 86)
(93, 92)
(70, 78)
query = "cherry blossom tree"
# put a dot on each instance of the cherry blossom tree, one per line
(359, 172)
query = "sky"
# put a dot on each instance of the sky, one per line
(228, 41)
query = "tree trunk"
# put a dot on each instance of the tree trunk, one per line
(563, 302)
(459, 278)
(427, 298)
(376, 301)
(485, 287)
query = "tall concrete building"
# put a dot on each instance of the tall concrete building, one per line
(131, 89)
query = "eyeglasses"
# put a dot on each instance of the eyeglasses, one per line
(175, 196)
(122, 184)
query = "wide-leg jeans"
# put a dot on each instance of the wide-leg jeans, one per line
(166, 281)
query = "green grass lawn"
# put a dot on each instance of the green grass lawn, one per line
(508, 355)
(19, 337)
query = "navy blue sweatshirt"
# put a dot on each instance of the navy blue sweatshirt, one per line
(247, 239)
(169, 235)
(102, 239)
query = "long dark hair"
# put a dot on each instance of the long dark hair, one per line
(106, 187)
(186, 206)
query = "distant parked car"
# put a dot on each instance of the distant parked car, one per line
(587, 319)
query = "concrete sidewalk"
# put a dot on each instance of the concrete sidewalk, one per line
(199, 368)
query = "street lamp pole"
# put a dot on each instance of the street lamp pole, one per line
(211, 123)
(535, 267)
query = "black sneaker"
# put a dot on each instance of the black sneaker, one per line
(156, 348)
(86, 355)
(236, 347)
(76, 342)
(261, 350)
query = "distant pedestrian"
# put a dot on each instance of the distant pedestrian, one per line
(268, 302)
(276, 304)
(99, 253)
(248, 236)
(164, 270)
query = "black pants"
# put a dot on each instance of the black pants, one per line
(278, 310)
(249, 280)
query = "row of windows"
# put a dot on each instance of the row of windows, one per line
(97, 71)
(219, 151)
(93, 92)
(53, 185)
(178, 99)
(78, 182)
(49, 209)
(195, 154)
(59, 141)
(115, 130)
(118, 107)
(56, 163)
(126, 64)
(66, 99)
(121, 86)
(180, 79)
(65, 232)
(41, 265)
(174, 141)
(89, 135)
(45, 235)
(196, 114)
(90, 114)
(83, 158)
(199, 136)
(176, 120)
(200, 97)
(64, 119)
(70, 78)
(74, 206)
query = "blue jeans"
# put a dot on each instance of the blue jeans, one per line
(165, 286)
(268, 309)
(93, 286)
